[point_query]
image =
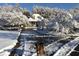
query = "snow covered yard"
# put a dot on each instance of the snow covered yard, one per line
(8, 40)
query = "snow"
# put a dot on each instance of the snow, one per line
(67, 47)
(28, 49)
(8, 40)
(70, 15)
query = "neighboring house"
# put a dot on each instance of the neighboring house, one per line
(36, 20)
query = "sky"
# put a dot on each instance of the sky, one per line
(29, 6)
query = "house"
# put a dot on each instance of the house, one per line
(36, 20)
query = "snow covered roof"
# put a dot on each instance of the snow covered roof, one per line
(37, 16)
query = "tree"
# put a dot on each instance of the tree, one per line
(26, 12)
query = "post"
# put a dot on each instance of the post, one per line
(40, 47)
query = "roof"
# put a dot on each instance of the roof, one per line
(36, 17)
(33, 20)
